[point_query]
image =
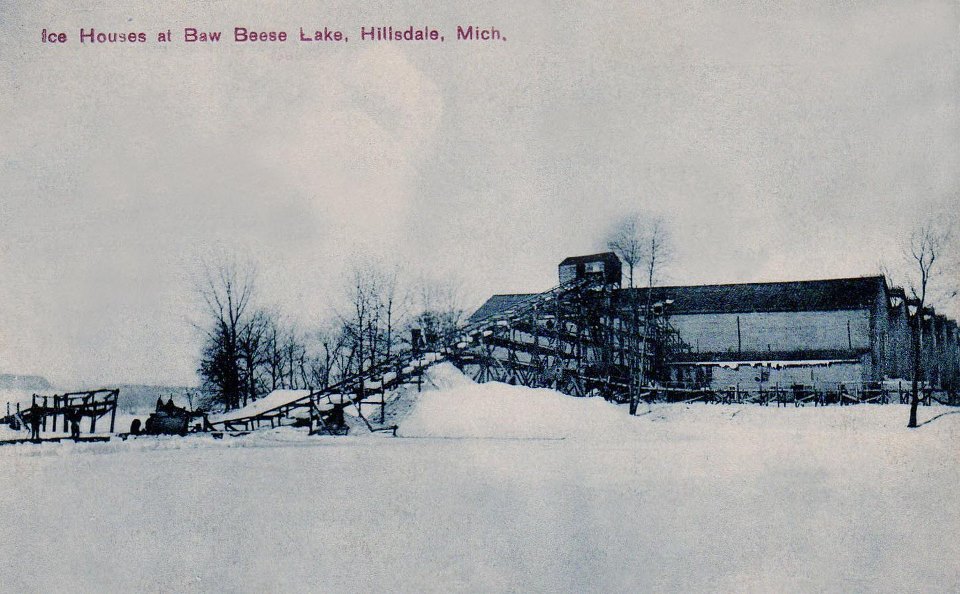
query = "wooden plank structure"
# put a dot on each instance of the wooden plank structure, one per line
(60, 409)
(318, 406)
(579, 338)
(574, 339)
(570, 338)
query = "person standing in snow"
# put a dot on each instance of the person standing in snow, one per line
(75, 424)
(35, 422)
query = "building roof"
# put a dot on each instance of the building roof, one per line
(606, 256)
(497, 304)
(815, 295)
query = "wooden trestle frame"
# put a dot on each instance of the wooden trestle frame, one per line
(571, 338)
(92, 404)
(576, 338)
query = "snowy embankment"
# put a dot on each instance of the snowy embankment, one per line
(459, 407)
(683, 498)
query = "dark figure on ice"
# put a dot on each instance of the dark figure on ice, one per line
(336, 418)
(336, 422)
(35, 422)
(135, 427)
(75, 424)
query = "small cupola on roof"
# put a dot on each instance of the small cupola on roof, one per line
(605, 267)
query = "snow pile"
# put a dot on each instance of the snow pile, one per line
(268, 402)
(460, 407)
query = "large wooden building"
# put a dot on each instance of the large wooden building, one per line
(846, 330)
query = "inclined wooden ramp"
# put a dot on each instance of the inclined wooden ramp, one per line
(321, 408)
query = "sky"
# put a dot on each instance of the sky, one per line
(777, 142)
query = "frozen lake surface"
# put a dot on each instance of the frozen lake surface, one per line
(684, 498)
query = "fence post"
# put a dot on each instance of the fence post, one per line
(93, 417)
(113, 410)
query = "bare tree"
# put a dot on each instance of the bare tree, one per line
(391, 302)
(924, 252)
(285, 359)
(252, 350)
(657, 251)
(439, 309)
(324, 364)
(378, 307)
(643, 243)
(627, 242)
(294, 360)
(273, 353)
(227, 290)
(357, 323)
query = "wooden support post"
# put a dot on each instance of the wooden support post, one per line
(383, 405)
(43, 418)
(739, 338)
(56, 401)
(113, 412)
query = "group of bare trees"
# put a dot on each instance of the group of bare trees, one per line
(250, 350)
(247, 349)
(227, 291)
(388, 314)
(643, 244)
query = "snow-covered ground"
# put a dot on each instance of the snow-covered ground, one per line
(498, 488)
